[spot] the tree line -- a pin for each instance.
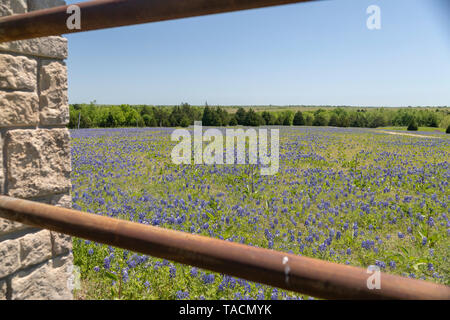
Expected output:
(94, 116)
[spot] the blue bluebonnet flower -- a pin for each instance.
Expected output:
(274, 295)
(106, 263)
(125, 276)
(208, 278)
(260, 295)
(172, 272)
(182, 295)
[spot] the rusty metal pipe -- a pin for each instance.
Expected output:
(101, 14)
(287, 271)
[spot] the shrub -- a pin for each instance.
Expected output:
(413, 126)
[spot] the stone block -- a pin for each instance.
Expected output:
(38, 162)
(2, 175)
(61, 243)
(18, 108)
(18, 73)
(53, 100)
(58, 200)
(49, 281)
(8, 226)
(9, 7)
(48, 47)
(43, 4)
(3, 289)
(35, 248)
(9, 257)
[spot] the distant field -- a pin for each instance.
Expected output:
(351, 196)
(233, 109)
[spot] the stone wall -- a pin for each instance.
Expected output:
(34, 159)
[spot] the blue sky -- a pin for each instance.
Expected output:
(318, 53)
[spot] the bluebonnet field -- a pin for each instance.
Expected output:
(352, 196)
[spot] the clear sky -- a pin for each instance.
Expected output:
(318, 53)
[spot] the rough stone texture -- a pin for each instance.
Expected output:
(42, 4)
(35, 248)
(8, 226)
(9, 257)
(58, 200)
(17, 73)
(2, 174)
(5, 11)
(9, 7)
(53, 98)
(49, 47)
(38, 162)
(18, 108)
(61, 243)
(62, 200)
(3, 289)
(49, 281)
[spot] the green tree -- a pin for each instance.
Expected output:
(149, 120)
(233, 121)
(185, 121)
(115, 117)
(207, 118)
(376, 119)
(309, 119)
(298, 119)
(216, 119)
(241, 115)
(224, 116)
(253, 119)
(319, 119)
(269, 118)
(334, 121)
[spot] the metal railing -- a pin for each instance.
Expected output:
(287, 271)
(101, 14)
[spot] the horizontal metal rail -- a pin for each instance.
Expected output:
(287, 271)
(101, 14)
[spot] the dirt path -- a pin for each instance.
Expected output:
(407, 134)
